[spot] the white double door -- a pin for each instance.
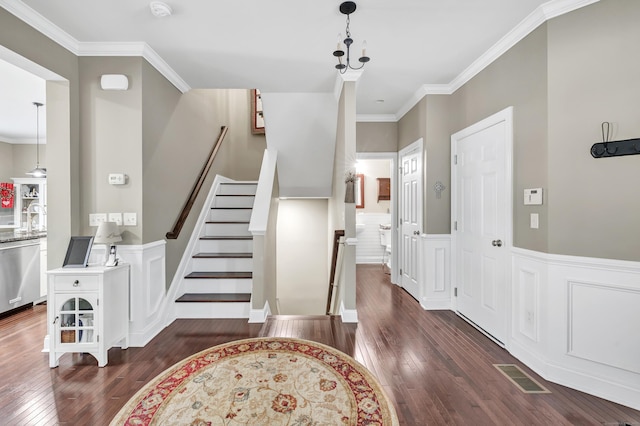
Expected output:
(482, 221)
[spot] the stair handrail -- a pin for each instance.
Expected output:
(186, 209)
(334, 262)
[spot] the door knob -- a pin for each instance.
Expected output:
(416, 232)
(496, 243)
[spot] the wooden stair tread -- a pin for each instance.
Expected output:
(228, 221)
(215, 297)
(223, 255)
(219, 275)
(222, 237)
(240, 183)
(235, 195)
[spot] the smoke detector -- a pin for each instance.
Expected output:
(160, 9)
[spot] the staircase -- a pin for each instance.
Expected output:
(219, 275)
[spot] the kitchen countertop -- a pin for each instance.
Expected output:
(11, 236)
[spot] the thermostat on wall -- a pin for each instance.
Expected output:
(533, 197)
(117, 178)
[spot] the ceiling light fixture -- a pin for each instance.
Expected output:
(160, 9)
(38, 172)
(347, 8)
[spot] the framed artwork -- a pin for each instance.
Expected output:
(257, 117)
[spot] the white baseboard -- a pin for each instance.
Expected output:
(436, 305)
(260, 315)
(348, 315)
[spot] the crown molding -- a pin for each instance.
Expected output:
(134, 49)
(41, 24)
(55, 33)
(543, 13)
(413, 100)
(560, 7)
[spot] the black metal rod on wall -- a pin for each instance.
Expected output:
(616, 148)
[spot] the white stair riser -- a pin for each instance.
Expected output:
(231, 214)
(209, 264)
(227, 229)
(225, 246)
(212, 310)
(225, 285)
(233, 202)
(237, 189)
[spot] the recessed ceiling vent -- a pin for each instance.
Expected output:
(160, 9)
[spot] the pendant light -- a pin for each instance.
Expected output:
(38, 172)
(347, 8)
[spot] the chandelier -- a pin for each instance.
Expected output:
(347, 8)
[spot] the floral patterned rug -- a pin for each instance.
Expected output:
(262, 381)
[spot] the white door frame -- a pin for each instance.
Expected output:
(415, 147)
(393, 156)
(506, 116)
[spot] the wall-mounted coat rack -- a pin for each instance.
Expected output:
(608, 148)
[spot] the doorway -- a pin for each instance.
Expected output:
(410, 210)
(481, 176)
(378, 213)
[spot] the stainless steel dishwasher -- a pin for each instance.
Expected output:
(19, 273)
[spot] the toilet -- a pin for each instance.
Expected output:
(385, 241)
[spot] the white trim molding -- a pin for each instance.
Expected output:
(536, 18)
(147, 288)
(435, 272)
(348, 315)
(575, 320)
(260, 315)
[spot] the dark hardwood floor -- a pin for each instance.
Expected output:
(434, 366)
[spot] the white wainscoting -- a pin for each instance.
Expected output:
(147, 288)
(435, 271)
(368, 249)
(575, 321)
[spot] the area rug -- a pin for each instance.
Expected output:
(262, 381)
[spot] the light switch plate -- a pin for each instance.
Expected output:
(535, 222)
(130, 219)
(116, 217)
(95, 219)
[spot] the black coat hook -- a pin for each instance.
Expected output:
(608, 148)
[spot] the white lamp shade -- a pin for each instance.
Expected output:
(107, 233)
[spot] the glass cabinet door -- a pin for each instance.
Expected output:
(76, 319)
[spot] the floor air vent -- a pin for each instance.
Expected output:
(521, 379)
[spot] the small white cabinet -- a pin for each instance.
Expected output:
(88, 311)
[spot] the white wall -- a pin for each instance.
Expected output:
(302, 246)
(368, 249)
(302, 128)
(373, 169)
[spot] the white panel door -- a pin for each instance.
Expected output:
(482, 206)
(410, 220)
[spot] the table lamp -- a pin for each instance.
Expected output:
(107, 234)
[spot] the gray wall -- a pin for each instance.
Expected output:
(62, 136)
(6, 162)
(18, 159)
(179, 131)
(377, 137)
(563, 80)
(111, 135)
(594, 76)
(519, 79)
